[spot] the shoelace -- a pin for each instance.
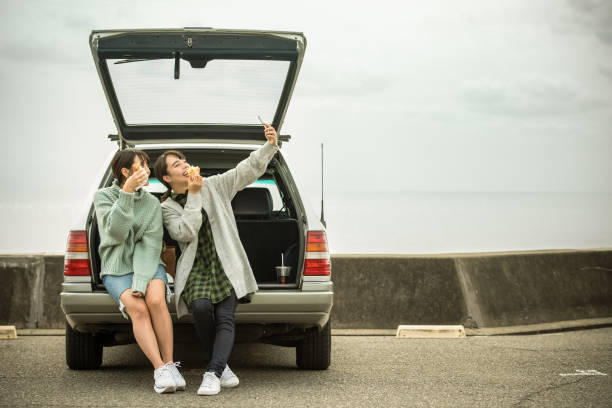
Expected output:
(172, 368)
(209, 379)
(161, 370)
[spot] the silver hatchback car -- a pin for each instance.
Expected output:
(201, 90)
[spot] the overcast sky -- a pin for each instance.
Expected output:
(407, 96)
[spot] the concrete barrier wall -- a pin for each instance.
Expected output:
(537, 288)
(29, 294)
(476, 290)
(381, 292)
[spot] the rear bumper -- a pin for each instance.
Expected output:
(92, 310)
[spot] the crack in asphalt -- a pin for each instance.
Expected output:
(532, 394)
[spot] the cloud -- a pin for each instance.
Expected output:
(54, 34)
(594, 16)
(606, 70)
(345, 82)
(529, 95)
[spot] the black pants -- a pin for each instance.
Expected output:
(215, 326)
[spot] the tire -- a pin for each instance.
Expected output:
(314, 352)
(83, 350)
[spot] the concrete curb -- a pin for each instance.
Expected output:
(363, 332)
(553, 327)
(542, 327)
(41, 332)
(583, 324)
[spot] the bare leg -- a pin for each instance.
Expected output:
(162, 323)
(143, 330)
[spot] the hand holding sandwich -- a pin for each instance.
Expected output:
(136, 179)
(194, 183)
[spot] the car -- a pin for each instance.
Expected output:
(202, 91)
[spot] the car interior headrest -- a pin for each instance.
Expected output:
(253, 202)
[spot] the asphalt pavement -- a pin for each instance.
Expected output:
(567, 369)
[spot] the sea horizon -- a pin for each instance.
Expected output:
(389, 222)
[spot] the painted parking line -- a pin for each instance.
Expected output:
(583, 372)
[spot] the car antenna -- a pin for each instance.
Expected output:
(322, 215)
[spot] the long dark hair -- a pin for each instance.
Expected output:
(123, 159)
(161, 170)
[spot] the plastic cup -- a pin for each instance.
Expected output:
(282, 273)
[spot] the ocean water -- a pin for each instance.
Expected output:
(384, 222)
(442, 222)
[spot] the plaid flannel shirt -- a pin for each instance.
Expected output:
(207, 280)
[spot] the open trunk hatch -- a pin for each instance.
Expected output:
(197, 84)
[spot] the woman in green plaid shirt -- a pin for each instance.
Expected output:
(210, 278)
(207, 279)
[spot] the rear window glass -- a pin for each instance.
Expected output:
(224, 92)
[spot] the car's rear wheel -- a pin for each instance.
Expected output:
(83, 350)
(314, 351)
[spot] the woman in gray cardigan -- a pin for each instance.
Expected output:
(213, 271)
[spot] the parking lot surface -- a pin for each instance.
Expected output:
(568, 369)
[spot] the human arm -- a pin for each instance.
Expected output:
(249, 169)
(115, 216)
(184, 227)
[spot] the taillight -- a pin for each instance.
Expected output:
(316, 241)
(76, 261)
(317, 262)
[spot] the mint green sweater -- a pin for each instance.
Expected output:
(131, 233)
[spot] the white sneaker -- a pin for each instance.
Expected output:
(164, 381)
(228, 378)
(178, 378)
(210, 384)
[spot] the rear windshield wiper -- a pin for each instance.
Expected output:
(125, 61)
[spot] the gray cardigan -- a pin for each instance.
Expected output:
(183, 224)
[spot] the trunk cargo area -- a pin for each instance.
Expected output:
(264, 236)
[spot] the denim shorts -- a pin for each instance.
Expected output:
(116, 285)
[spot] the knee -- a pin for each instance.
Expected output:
(138, 310)
(224, 319)
(156, 303)
(224, 313)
